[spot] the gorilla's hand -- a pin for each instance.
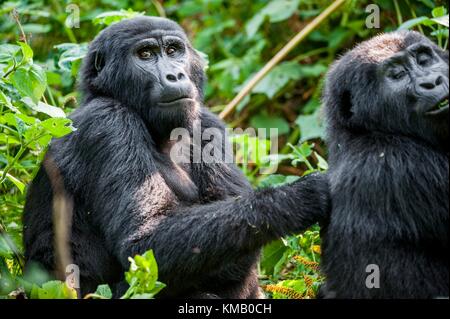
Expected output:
(292, 208)
(314, 190)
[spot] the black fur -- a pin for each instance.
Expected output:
(203, 221)
(389, 173)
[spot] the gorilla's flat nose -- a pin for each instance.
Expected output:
(430, 82)
(172, 78)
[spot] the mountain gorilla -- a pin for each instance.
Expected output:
(386, 106)
(141, 78)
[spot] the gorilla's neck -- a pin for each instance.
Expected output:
(162, 122)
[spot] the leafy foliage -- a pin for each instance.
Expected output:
(40, 56)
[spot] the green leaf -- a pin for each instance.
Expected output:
(5, 100)
(277, 180)
(36, 28)
(110, 17)
(262, 120)
(444, 20)
(275, 11)
(30, 81)
(53, 290)
(27, 52)
(321, 162)
(142, 277)
(7, 52)
(310, 126)
(412, 23)
(71, 52)
(272, 253)
(438, 12)
(58, 127)
(15, 181)
(285, 72)
(42, 107)
(104, 291)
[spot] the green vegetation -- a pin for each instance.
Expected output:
(41, 49)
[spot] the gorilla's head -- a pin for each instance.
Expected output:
(146, 63)
(394, 83)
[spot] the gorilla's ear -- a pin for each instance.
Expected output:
(99, 61)
(92, 65)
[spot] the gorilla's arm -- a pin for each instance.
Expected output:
(197, 239)
(188, 240)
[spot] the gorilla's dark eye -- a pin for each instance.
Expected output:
(171, 50)
(145, 53)
(423, 59)
(397, 74)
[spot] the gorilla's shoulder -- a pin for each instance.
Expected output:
(104, 113)
(99, 120)
(209, 119)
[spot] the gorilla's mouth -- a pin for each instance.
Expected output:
(439, 108)
(177, 101)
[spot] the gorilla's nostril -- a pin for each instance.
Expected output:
(427, 85)
(439, 80)
(180, 76)
(171, 77)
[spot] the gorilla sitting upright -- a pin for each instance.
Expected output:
(387, 111)
(141, 79)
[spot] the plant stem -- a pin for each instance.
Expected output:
(413, 13)
(18, 155)
(399, 13)
(280, 56)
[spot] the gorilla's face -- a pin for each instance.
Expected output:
(415, 80)
(394, 83)
(164, 60)
(148, 64)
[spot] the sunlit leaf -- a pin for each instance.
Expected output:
(30, 81)
(310, 126)
(110, 17)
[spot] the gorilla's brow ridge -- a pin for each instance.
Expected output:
(163, 33)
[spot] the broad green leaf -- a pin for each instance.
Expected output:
(276, 180)
(71, 52)
(142, 277)
(30, 81)
(42, 107)
(53, 290)
(27, 52)
(110, 17)
(272, 254)
(5, 100)
(15, 181)
(262, 120)
(438, 12)
(7, 52)
(275, 11)
(285, 72)
(321, 162)
(36, 28)
(104, 291)
(58, 127)
(412, 23)
(442, 20)
(310, 126)
(15, 120)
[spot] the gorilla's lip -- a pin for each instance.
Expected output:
(439, 108)
(179, 100)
